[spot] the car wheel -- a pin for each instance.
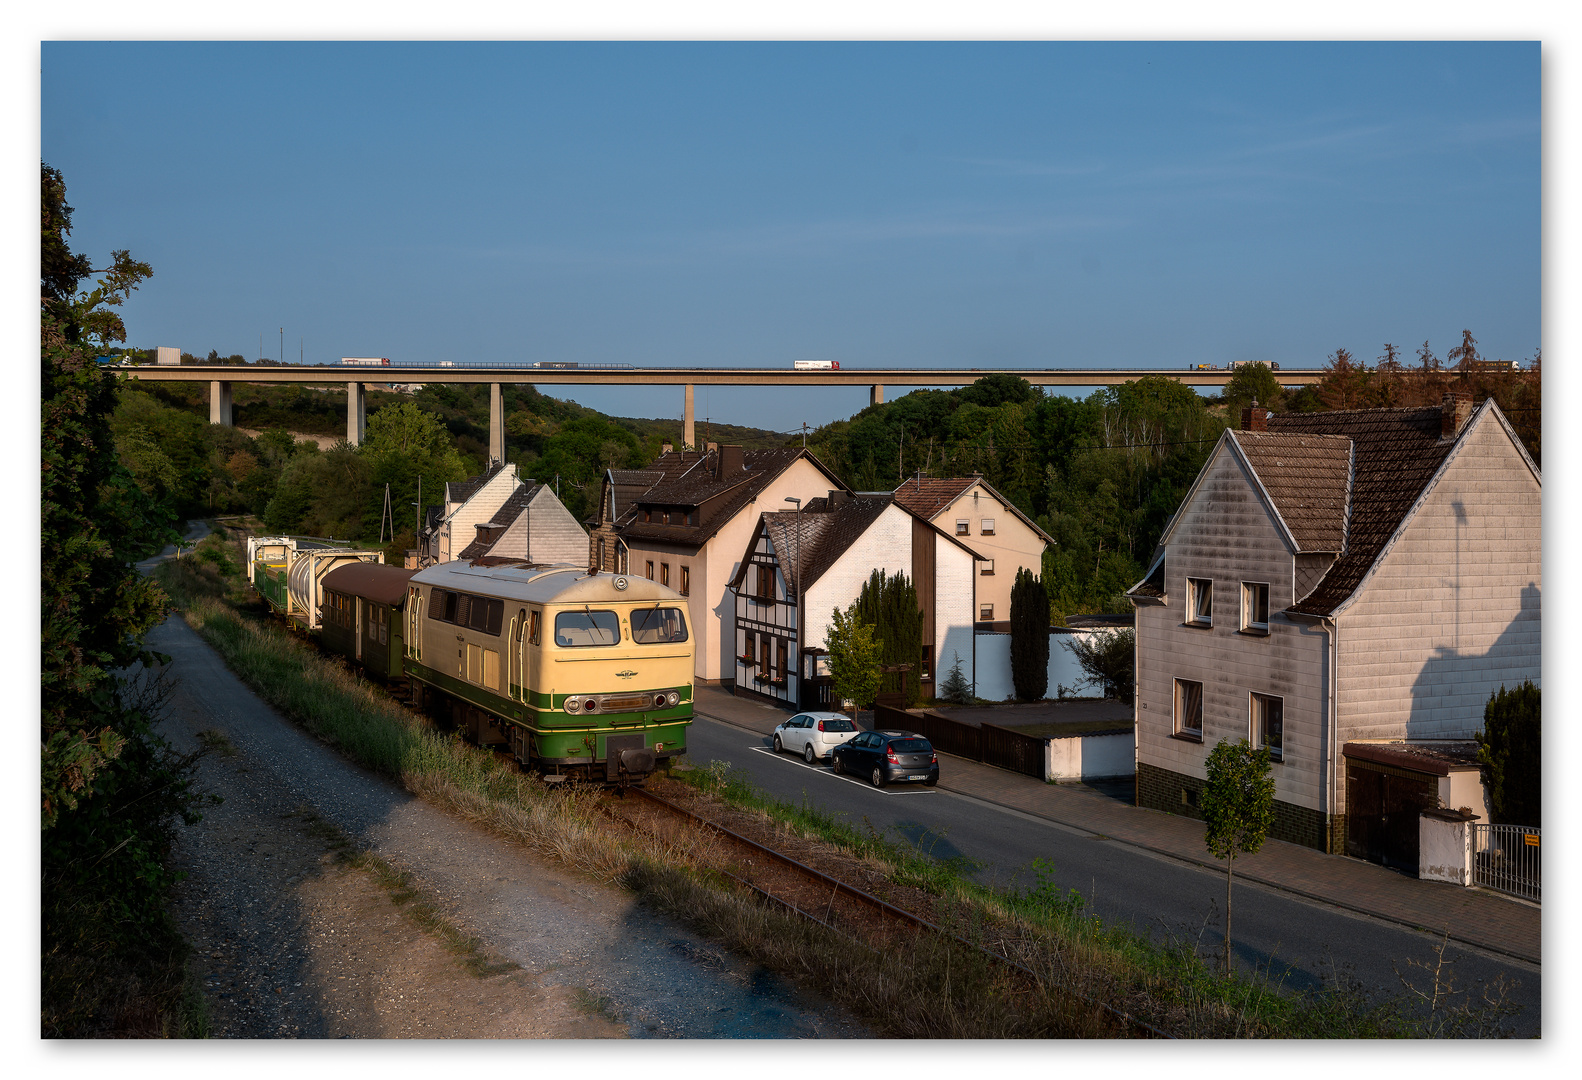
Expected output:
(877, 778)
(840, 768)
(931, 781)
(778, 747)
(807, 753)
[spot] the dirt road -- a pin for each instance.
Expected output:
(293, 942)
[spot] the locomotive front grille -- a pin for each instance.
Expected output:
(625, 702)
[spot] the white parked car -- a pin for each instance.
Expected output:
(814, 735)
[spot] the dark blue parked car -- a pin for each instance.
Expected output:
(887, 757)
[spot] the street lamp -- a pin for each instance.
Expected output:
(797, 563)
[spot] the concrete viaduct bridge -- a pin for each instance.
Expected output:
(356, 378)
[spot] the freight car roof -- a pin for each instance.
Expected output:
(372, 581)
(560, 584)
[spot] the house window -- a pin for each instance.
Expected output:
(650, 569)
(1200, 601)
(925, 665)
(664, 573)
(963, 527)
(692, 517)
(1268, 724)
(782, 652)
(648, 516)
(985, 612)
(766, 582)
(686, 581)
(763, 658)
(986, 568)
(1189, 709)
(749, 657)
(1255, 607)
(988, 527)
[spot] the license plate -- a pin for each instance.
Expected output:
(918, 776)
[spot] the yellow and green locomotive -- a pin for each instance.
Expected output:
(580, 674)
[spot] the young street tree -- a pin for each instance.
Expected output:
(1029, 637)
(1238, 806)
(853, 656)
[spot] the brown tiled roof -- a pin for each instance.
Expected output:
(927, 496)
(509, 511)
(1396, 453)
(696, 485)
(834, 530)
(1306, 477)
(1434, 758)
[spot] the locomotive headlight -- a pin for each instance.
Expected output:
(672, 697)
(572, 704)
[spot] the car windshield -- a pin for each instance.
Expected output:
(837, 725)
(579, 629)
(910, 746)
(656, 626)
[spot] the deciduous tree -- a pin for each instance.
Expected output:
(1238, 807)
(853, 656)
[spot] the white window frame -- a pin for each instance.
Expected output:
(1249, 607)
(1199, 588)
(1176, 707)
(986, 527)
(986, 567)
(1258, 716)
(963, 526)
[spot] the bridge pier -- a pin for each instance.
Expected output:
(876, 394)
(688, 439)
(356, 412)
(220, 402)
(496, 424)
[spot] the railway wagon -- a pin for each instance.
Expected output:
(288, 572)
(580, 674)
(362, 617)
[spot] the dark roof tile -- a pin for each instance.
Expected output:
(1306, 477)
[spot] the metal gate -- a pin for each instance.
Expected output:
(1382, 807)
(1506, 857)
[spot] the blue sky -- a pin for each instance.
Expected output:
(913, 204)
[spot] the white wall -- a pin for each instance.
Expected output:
(462, 526)
(994, 666)
(886, 545)
(1091, 757)
(954, 609)
(1012, 546)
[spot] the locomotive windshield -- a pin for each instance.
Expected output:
(580, 629)
(658, 626)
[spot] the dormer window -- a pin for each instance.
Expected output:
(1200, 602)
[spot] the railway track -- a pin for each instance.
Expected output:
(808, 893)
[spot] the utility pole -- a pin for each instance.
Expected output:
(282, 346)
(387, 514)
(796, 598)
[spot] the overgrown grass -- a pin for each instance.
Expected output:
(930, 989)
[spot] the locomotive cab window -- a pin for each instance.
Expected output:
(656, 626)
(584, 629)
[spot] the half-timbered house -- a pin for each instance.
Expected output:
(800, 566)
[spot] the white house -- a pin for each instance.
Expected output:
(1346, 588)
(817, 560)
(453, 524)
(533, 525)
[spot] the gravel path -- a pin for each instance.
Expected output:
(294, 943)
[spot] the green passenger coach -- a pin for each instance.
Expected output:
(580, 674)
(361, 616)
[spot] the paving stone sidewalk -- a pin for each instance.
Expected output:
(1475, 917)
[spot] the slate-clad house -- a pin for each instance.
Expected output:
(819, 560)
(532, 525)
(970, 509)
(689, 525)
(452, 525)
(1346, 588)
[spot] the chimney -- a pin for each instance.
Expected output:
(730, 461)
(838, 498)
(1254, 417)
(1453, 412)
(666, 447)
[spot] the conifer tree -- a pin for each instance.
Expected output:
(889, 604)
(1029, 637)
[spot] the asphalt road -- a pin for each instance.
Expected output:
(1302, 942)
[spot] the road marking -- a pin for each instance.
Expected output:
(833, 775)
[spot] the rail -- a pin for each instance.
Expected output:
(883, 906)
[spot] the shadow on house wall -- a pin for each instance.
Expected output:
(1453, 686)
